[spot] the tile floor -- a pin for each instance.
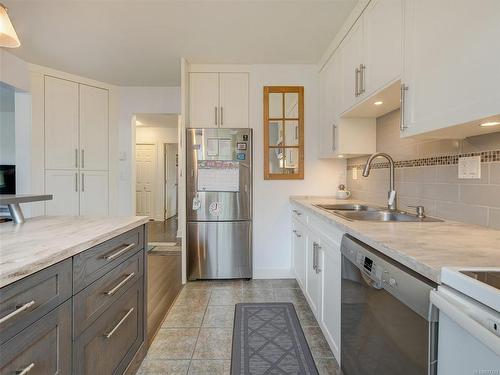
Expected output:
(196, 336)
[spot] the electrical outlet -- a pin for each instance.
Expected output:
(469, 167)
(355, 173)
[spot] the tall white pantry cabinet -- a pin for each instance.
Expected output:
(76, 128)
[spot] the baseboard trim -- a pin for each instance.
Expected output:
(272, 273)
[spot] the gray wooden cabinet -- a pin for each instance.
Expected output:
(84, 315)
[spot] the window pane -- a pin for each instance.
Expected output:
(276, 160)
(275, 133)
(291, 133)
(291, 105)
(291, 164)
(283, 160)
(275, 105)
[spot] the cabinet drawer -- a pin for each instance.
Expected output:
(44, 348)
(108, 345)
(89, 265)
(27, 300)
(93, 300)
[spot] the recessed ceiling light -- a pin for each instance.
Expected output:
(490, 123)
(139, 123)
(378, 103)
(341, 156)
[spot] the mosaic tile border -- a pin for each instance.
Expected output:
(486, 157)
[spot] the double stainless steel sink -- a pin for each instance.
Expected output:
(371, 213)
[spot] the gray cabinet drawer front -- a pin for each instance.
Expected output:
(91, 264)
(122, 322)
(45, 346)
(95, 299)
(27, 300)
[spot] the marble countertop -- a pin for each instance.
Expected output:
(425, 247)
(43, 241)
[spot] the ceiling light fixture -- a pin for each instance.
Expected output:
(138, 123)
(378, 103)
(8, 36)
(490, 123)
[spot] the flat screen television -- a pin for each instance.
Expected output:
(7, 179)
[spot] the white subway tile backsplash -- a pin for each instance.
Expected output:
(462, 212)
(481, 195)
(494, 221)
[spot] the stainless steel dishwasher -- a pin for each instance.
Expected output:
(387, 324)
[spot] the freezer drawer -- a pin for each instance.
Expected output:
(219, 250)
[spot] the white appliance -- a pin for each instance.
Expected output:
(469, 321)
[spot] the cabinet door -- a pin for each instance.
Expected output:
(93, 128)
(299, 242)
(64, 186)
(94, 193)
(204, 100)
(331, 278)
(382, 43)
(451, 62)
(352, 57)
(61, 124)
(313, 282)
(233, 100)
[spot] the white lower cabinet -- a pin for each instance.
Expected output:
(94, 193)
(317, 267)
(64, 186)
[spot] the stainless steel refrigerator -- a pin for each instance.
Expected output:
(219, 203)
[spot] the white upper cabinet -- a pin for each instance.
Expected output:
(218, 100)
(93, 128)
(382, 27)
(328, 82)
(94, 193)
(233, 100)
(451, 65)
(352, 65)
(61, 124)
(203, 100)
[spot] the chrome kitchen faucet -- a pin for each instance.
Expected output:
(392, 195)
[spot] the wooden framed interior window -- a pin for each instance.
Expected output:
(283, 132)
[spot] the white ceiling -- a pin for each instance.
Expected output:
(140, 42)
(164, 120)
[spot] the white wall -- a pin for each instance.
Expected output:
(157, 136)
(134, 100)
(14, 71)
(272, 219)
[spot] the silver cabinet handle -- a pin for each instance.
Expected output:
(298, 213)
(25, 370)
(315, 248)
(122, 249)
(76, 182)
(297, 233)
(362, 68)
(334, 137)
(215, 115)
(112, 332)
(76, 158)
(356, 82)
(17, 311)
(221, 116)
(83, 181)
(83, 158)
(119, 285)
(402, 124)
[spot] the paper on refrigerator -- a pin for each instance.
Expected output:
(218, 175)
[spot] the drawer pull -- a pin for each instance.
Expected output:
(25, 370)
(18, 310)
(124, 249)
(119, 285)
(112, 332)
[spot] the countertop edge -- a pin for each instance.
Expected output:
(72, 250)
(399, 256)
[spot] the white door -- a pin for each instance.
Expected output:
(299, 241)
(352, 57)
(94, 193)
(64, 185)
(204, 100)
(93, 128)
(145, 161)
(451, 62)
(61, 124)
(233, 100)
(170, 180)
(382, 43)
(313, 275)
(331, 278)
